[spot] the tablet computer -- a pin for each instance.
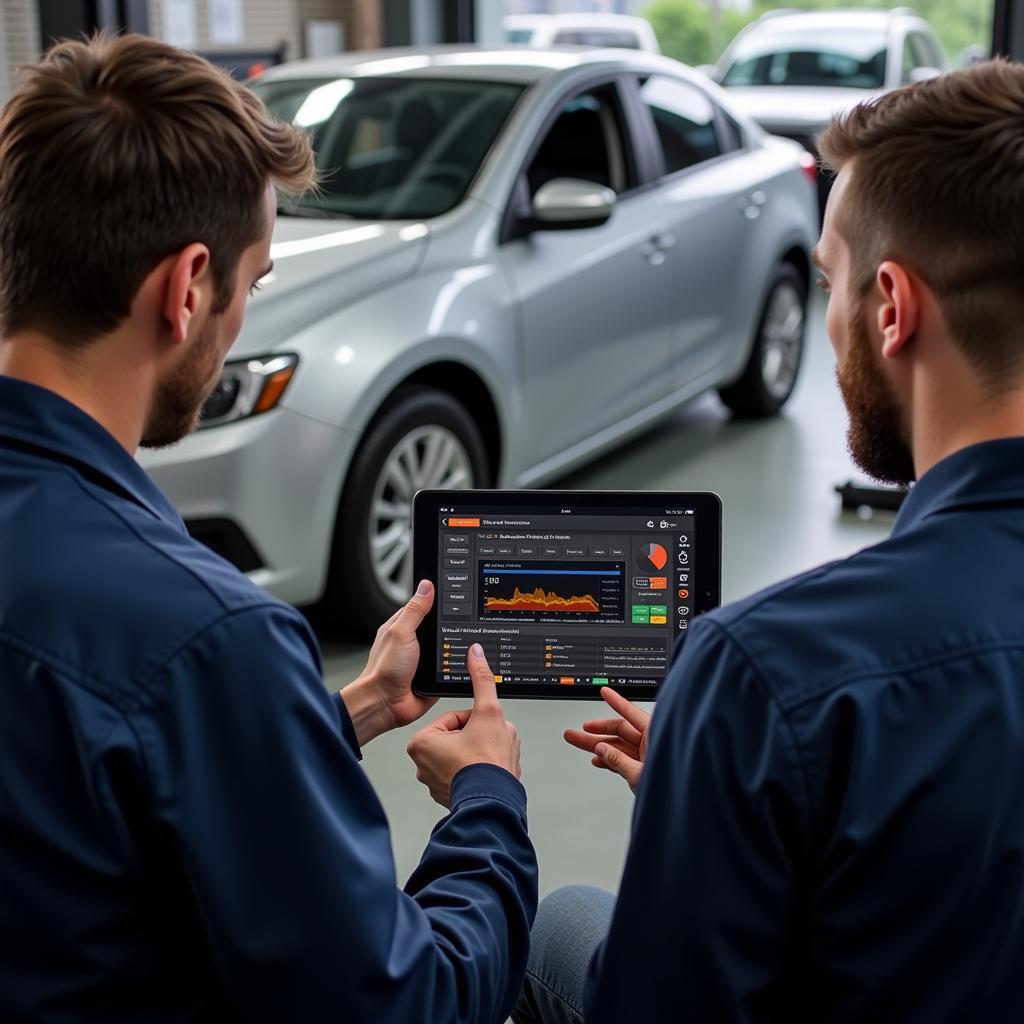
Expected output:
(567, 591)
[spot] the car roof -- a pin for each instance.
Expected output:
(521, 64)
(840, 18)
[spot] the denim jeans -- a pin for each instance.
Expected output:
(571, 923)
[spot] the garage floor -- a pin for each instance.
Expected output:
(781, 516)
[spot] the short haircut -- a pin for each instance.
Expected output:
(115, 153)
(937, 183)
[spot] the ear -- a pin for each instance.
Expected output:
(899, 310)
(188, 273)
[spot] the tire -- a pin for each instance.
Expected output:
(361, 592)
(773, 368)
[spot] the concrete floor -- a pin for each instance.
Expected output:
(781, 516)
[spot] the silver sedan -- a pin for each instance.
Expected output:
(517, 260)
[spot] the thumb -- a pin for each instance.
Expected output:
(417, 606)
(485, 692)
(620, 763)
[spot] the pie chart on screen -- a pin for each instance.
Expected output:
(652, 558)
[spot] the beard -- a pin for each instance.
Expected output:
(877, 437)
(181, 395)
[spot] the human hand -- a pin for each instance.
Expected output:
(382, 697)
(618, 744)
(461, 738)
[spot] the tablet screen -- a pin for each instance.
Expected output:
(568, 595)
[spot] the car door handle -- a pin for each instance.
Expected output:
(750, 206)
(654, 249)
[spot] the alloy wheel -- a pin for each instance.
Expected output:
(428, 457)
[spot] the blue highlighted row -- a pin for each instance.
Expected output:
(549, 572)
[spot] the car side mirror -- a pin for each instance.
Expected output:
(567, 204)
(923, 74)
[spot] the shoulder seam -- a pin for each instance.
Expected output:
(100, 688)
(906, 666)
(777, 590)
(784, 713)
(145, 541)
(206, 627)
(93, 685)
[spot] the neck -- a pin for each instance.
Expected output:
(946, 418)
(94, 378)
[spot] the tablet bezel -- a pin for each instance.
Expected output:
(427, 505)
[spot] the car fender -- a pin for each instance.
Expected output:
(352, 361)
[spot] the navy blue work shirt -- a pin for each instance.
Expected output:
(830, 822)
(185, 831)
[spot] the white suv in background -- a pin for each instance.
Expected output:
(793, 71)
(614, 30)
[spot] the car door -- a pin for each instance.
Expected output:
(711, 195)
(595, 304)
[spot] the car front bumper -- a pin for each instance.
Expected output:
(264, 493)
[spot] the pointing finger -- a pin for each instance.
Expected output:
(629, 711)
(485, 692)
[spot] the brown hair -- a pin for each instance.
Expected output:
(937, 183)
(116, 152)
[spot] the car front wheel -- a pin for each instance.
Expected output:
(424, 439)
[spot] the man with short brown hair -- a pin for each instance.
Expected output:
(830, 814)
(185, 831)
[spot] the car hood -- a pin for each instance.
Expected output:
(320, 265)
(796, 107)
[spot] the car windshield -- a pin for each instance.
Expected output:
(845, 59)
(391, 148)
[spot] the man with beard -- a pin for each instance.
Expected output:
(830, 797)
(185, 831)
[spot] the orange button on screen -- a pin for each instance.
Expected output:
(463, 522)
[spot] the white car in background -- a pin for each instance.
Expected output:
(517, 259)
(793, 71)
(616, 30)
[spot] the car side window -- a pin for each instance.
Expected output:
(586, 141)
(684, 119)
(909, 61)
(924, 54)
(917, 53)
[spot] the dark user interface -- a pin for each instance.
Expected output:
(565, 597)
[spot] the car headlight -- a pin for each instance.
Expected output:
(247, 388)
